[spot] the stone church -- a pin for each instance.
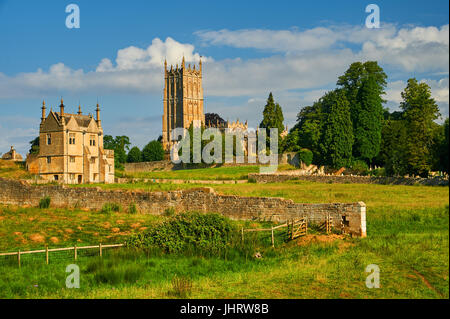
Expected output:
(183, 99)
(71, 148)
(183, 102)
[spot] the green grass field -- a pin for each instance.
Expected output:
(374, 195)
(213, 173)
(14, 170)
(408, 238)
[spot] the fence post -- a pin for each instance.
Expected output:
(46, 254)
(100, 248)
(328, 224)
(75, 251)
(242, 233)
(273, 240)
(292, 233)
(18, 257)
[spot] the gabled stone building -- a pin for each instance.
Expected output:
(71, 148)
(12, 155)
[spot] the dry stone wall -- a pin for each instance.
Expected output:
(347, 179)
(350, 217)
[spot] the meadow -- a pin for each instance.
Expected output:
(408, 238)
(210, 173)
(13, 170)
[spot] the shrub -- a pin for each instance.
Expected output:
(153, 151)
(169, 212)
(201, 232)
(111, 207)
(378, 172)
(181, 287)
(117, 275)
(305, 156)
(132, 208)
(360, 167)
(45, 202)
(134, 155)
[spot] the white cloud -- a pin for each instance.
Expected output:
(414, 48)
(439, 90)
(135, 70)
(133, 58)
(310, 60)
(275, 40)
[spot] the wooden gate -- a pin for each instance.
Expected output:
(327, 224)
(297, 228)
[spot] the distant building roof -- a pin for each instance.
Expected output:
(12, 155)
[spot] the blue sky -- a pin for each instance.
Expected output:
(294, 48)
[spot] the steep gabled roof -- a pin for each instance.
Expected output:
(83, 121)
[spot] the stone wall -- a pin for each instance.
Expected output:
(121, 180)
(350, 217)
(165, 165)
(347, 179)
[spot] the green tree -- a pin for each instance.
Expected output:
(440, 147)
(392, 153)
(120, 145)
(273, 118)
(279, 124)
(338, 135)
(34, 146)
(363, 84)
(153, 151)
(306, 156)
(419, 112)
(108, 142)
(292, 141)
(134, 155)
(268, 113)
(310, 124)
(369, 121)
(444, 150)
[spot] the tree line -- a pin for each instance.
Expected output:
(349, 127)
(153, 151)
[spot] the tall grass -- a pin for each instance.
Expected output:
(44, 202)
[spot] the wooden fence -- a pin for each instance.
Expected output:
(327, 224)
(47, 251)
(295, 228)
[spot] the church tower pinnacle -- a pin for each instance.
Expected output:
(43, 111)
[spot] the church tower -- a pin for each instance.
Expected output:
(183, 99)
